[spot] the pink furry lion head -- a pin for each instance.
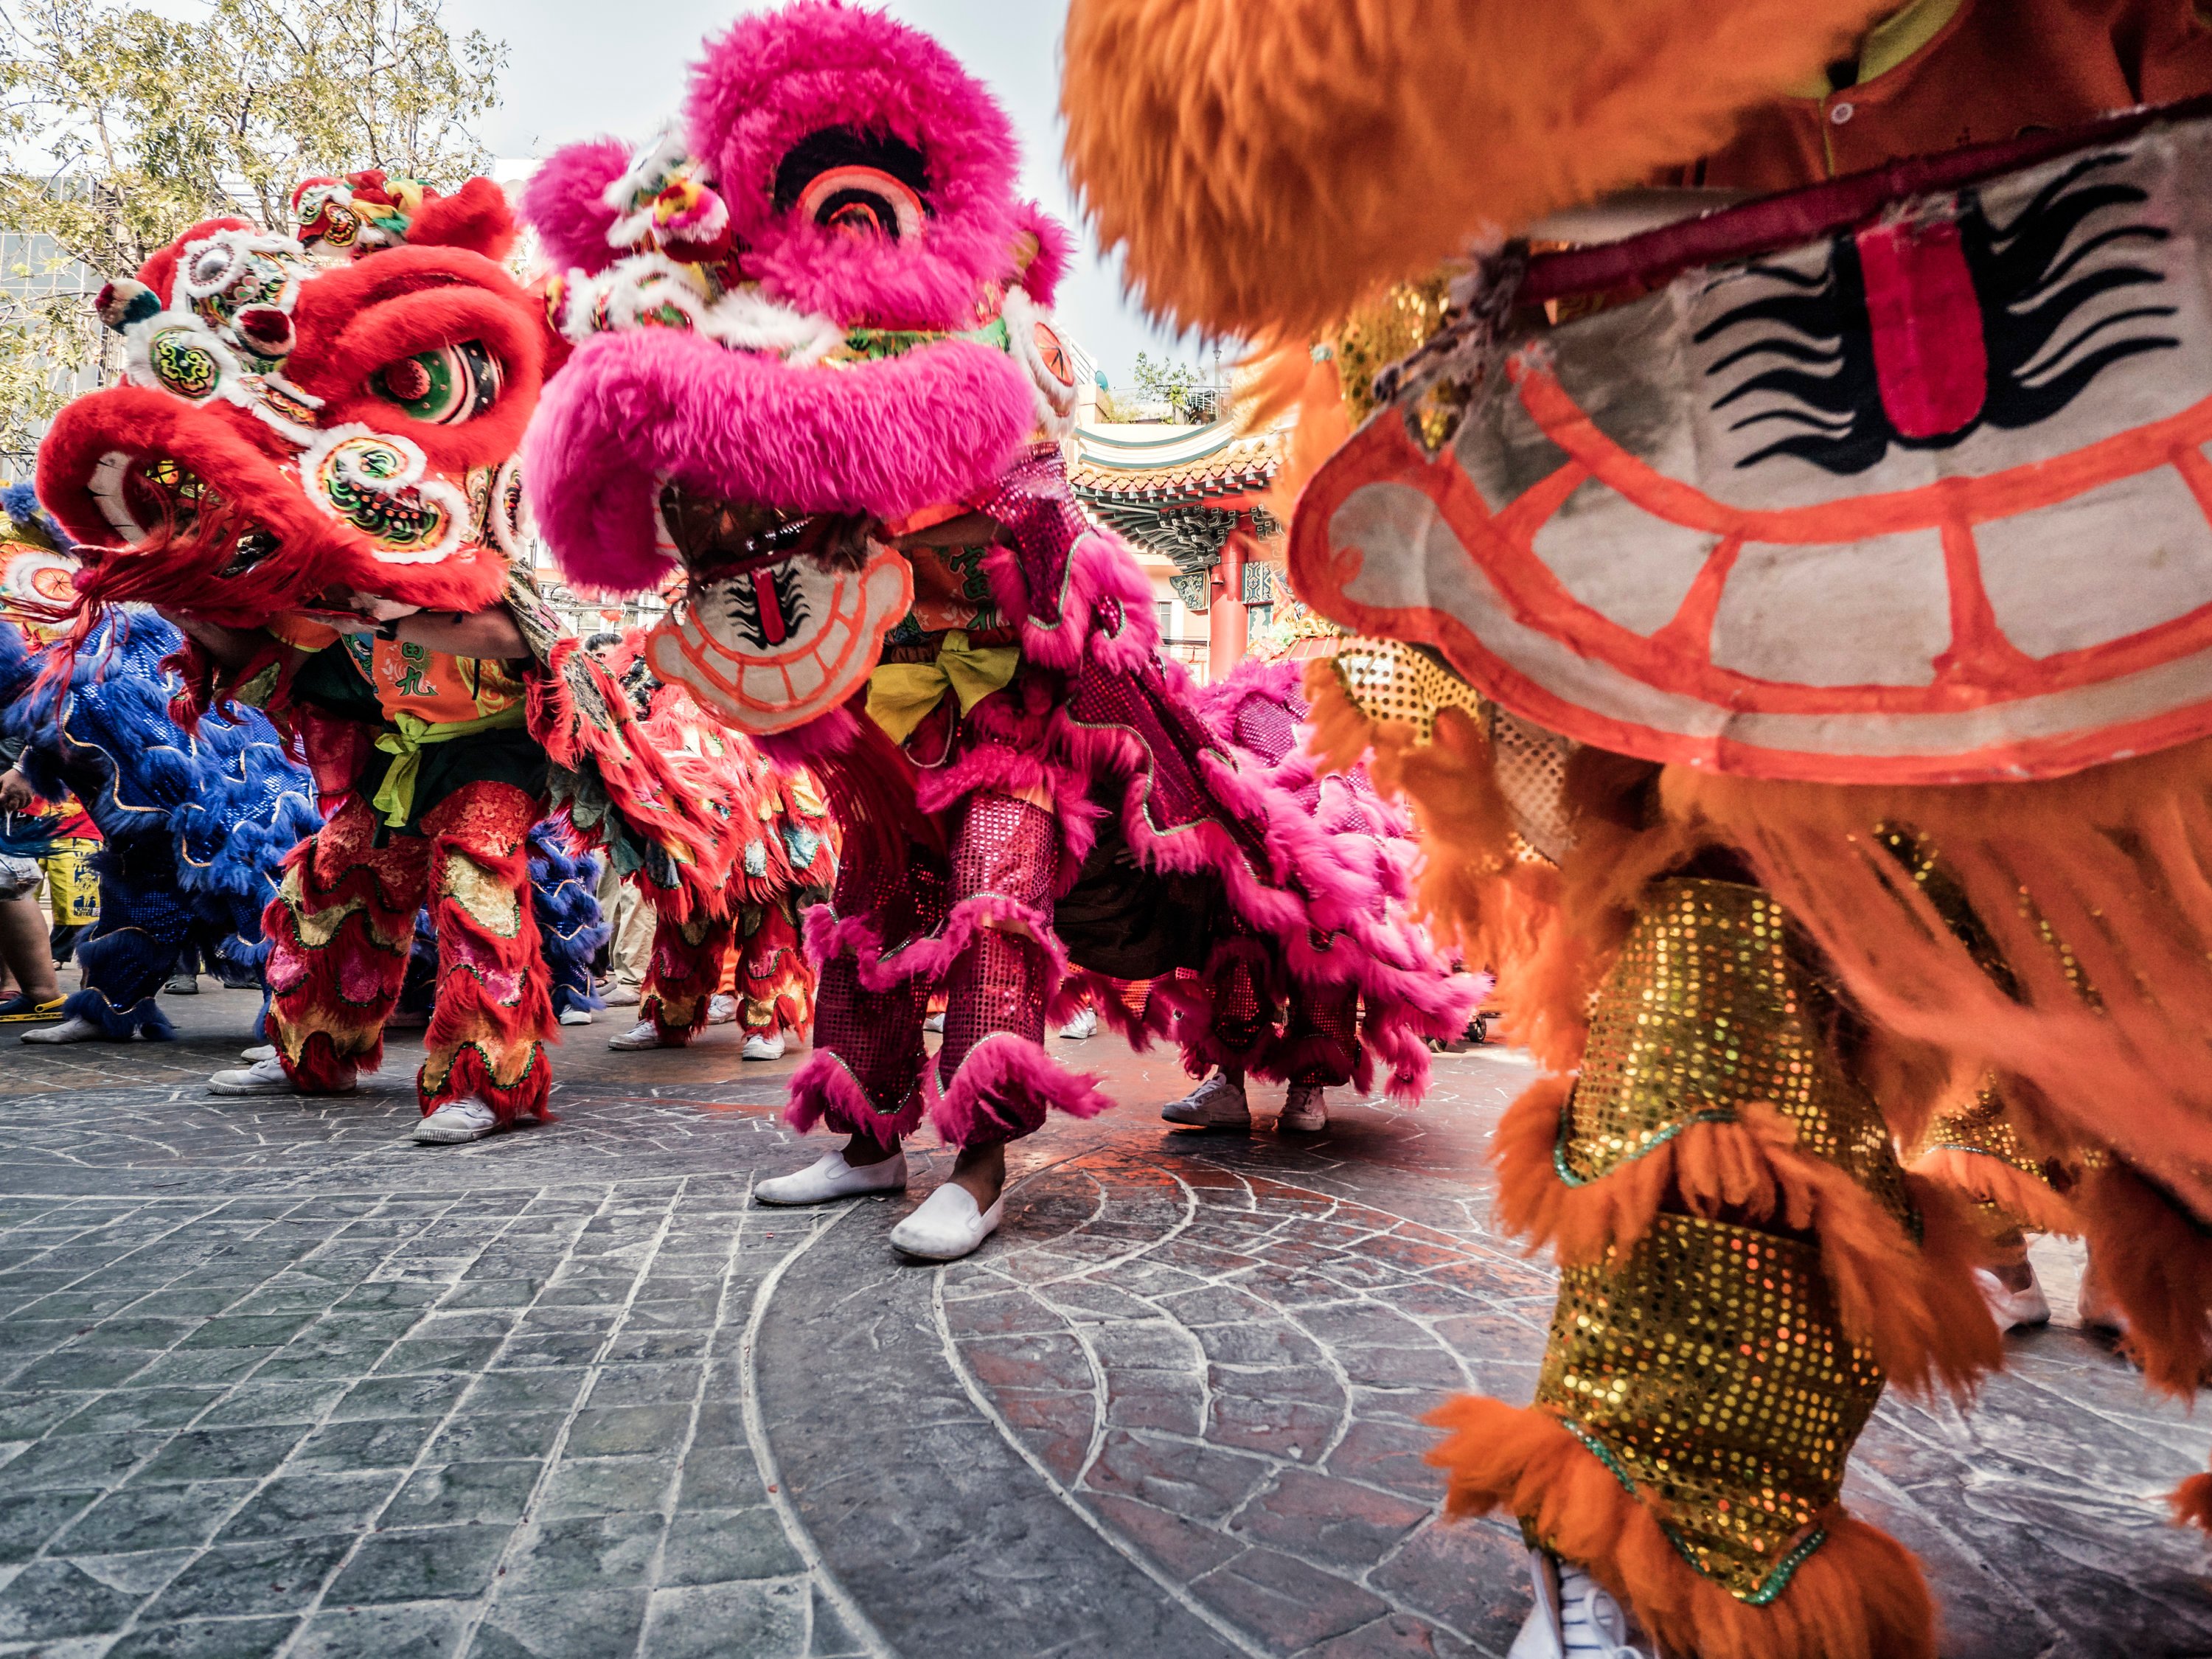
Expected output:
(816, 310)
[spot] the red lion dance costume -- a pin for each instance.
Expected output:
(1826, 588)
(320, 430)
(811, 363)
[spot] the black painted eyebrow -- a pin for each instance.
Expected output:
(845, 147)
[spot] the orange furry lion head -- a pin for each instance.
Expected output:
(1266, 165)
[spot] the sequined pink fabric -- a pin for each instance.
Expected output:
(1005, 848)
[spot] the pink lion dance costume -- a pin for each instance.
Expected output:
(812, 362)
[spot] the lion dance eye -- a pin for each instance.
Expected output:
(444, 386)
(862, 201)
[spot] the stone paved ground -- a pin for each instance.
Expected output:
(275, 1381)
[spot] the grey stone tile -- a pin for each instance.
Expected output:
(763, 1621)
(422, 1629)
(715, 1546)
(29, 1519)
(270, 1576)
(125, 1409)
(590, 1552)
(136, 1517)
(222, 1454)
(378, 1443)
(79, 1459)
(249, 1331)
(418, 1397)
(275, 1401)
(307, 1505)
(456, 1492)
(53, 1599)
(571, 1624)
(624, 1430)
(606, 1486)
(430, 1564)
(28, 1416)
(476, 1435)
(206, 1638)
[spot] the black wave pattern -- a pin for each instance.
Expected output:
(742, 606)
(1818, 350)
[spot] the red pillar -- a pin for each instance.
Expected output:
(1225, 613)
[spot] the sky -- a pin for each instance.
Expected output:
(579, 69)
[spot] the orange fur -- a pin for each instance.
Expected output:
(2156, 1264)
(1860, 1596)
(2192, 1502)
(2026, 1202)
(1913, 1307)
(2116, 861)
(1266, 167)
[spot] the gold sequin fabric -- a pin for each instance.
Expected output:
(1983, 1128)
(1391, 680)
(1705, 1368)
(1714, 1004)
(1378, 335)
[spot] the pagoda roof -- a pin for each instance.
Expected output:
(1164, 464)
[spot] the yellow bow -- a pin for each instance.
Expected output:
(395, 796)
(901, 694)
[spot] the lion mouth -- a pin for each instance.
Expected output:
(720, 540)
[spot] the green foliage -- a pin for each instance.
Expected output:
(1177, 385)
(123, 127)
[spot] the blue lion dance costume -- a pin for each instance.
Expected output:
(195, 825)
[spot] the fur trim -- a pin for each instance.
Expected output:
(823, 1089)
(564, 204)
(476, 217)
(1003, 1089)
(2025, 1199)
(1041, 273)
(2156, 1262)
(1265, 169)
(774, 79)
(2192, 1502)
(1914, 1306)
(1859, 1595)
(884, 438)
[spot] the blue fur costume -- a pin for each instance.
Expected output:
(195, 828)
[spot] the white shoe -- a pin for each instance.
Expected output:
(1217, 1103)
(1306, 1110)
(767, 1046)
(621, 996)
(265, 1077)
(643, 1035)
(74, 1028)
(721, 1010)
(457, 1121)
(1085, 1025)
(830, 1176)
(1573, 1617)
(259, 1051)
(576, 1017)
(935, 1024)
(2012, 1308)
(181, 985)
(947, 1225)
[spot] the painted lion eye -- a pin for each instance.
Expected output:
(444, 386)
(862, 201)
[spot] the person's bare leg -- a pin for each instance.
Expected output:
(25, 946)
(982, 1171)
(861, 1151)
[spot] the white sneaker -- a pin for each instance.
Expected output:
(457, 1121)
(1085, 1025)
(576, 1016)
(2012, 1308)
(1306, 1110)
(621, 996)
(1217, 1103)
(643, 1035)
(764, 1045)
(259, 1051)
(935, 1024)
(721, 1010)
(830, 1176)
(265, 1077)
(74, 1028)
(1573, 1617)
(181, 985)
(947, 1225)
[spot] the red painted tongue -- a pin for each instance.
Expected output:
(771, 609)
(1929, 357)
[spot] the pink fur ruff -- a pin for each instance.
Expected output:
(564, 204)
(823, 1091)
(884, 438)
(1048, 267)
(1004, 1089)
(777, 78)
(931, 956)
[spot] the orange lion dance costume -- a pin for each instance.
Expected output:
(1811, 709)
